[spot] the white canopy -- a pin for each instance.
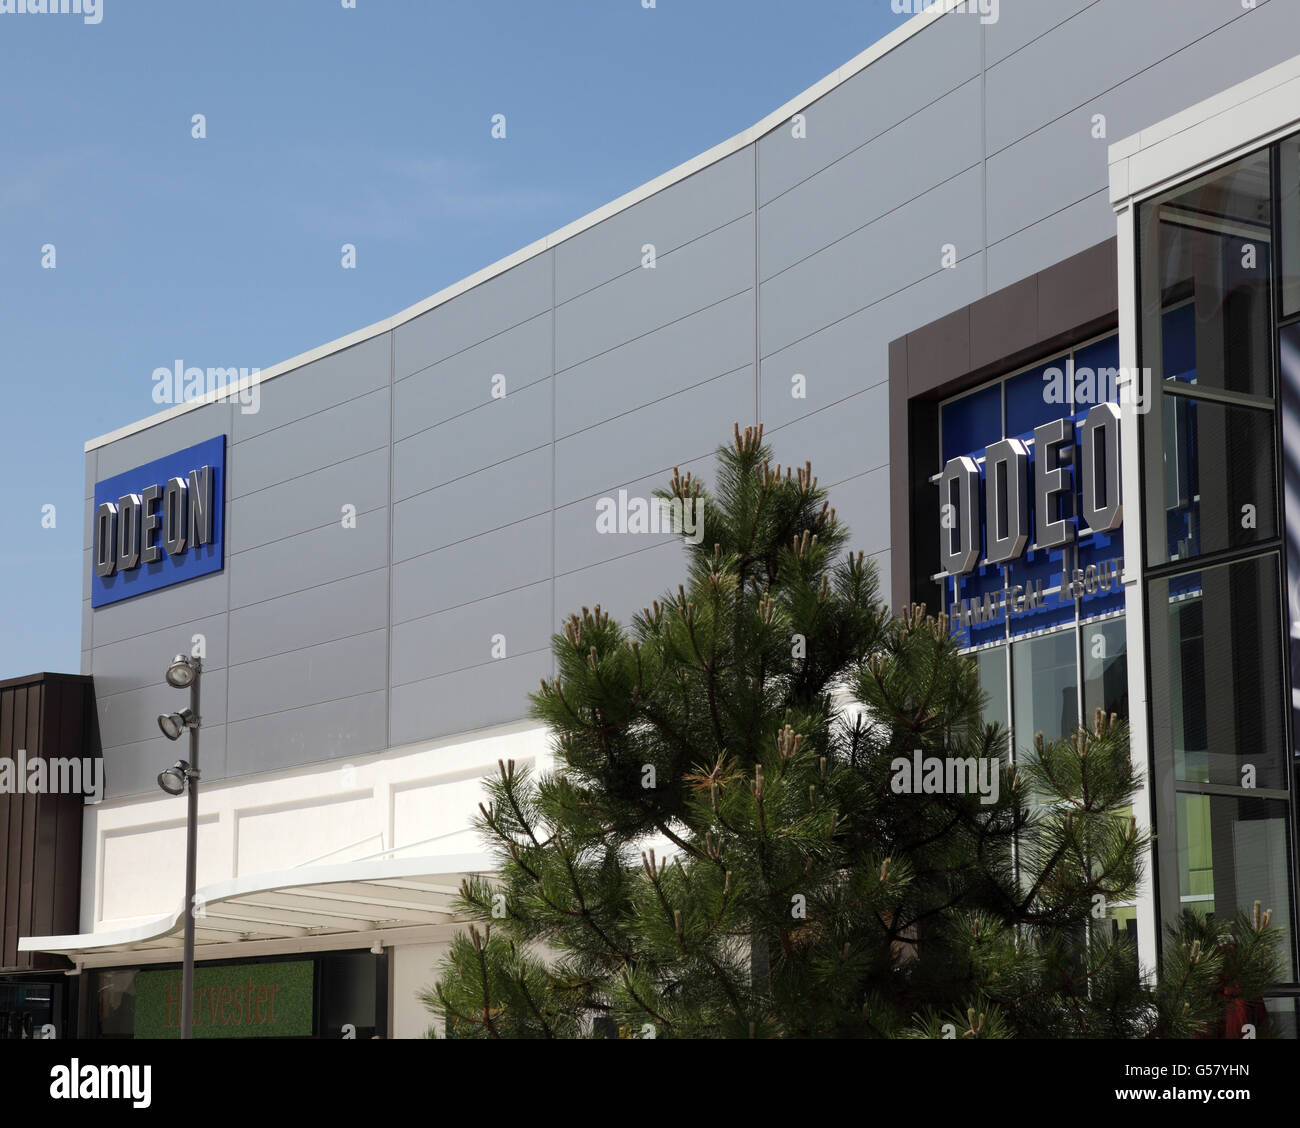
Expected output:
(366, 897)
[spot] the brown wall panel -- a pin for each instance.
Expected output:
(15, 729)
(7, 803)
(77, 729)
(32, 745)
(47, 716)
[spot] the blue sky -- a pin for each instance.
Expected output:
(325, 126)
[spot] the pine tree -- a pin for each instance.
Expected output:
(762, 726)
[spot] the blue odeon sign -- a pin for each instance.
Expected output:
(986, 520)
(159, 524)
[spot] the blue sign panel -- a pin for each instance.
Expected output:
(159, 524)
(1029, 507)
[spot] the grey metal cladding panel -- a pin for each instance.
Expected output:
(1020, 22)
(497, 562)
(332, 730)
(914, 74)
(166, 607)
(884, 576)
(132, 716)
(579, 544)
(92, 476)
(465, 381)
(141, 661)
(654, 438)
(315, 441)
(623, 586)
(511, 491)
(699, 347)
(463, 637)
(1058, 166)
(326, 672)
(883, 258)
(323, 383)
(513, 425)
(85, 662)
(850, 355)
(132, 769)
(346, 607)
(684, 211)
(862, 503)
(713, 267)
(309, 559)
(1271, 32)
(466, 700)
(87, 633)
(522, 292)
(932, 146)
(309, 502)
(1051, 240)
(1098, 49)
(87, 570)
(841, 442)
(1260, 39)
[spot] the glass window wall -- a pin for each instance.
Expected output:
(1216, 663)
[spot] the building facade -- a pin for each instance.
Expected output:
(940, 274)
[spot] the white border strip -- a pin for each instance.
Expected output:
(777, 118)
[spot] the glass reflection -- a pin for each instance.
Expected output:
(1206, 251)
(1044, 672)
(1219, 483)
(1216, 674)
(1105, 669)
(1232, 852)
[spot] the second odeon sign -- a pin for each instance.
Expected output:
(1007, 491)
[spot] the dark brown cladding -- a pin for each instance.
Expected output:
(1017, 326)
(46, 716)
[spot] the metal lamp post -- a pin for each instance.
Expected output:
(184, 672)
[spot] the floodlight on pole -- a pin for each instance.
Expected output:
(183, 673)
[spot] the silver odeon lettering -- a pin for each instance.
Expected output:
(126, 530)
(1007, 492)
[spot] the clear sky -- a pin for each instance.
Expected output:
(325, 125)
